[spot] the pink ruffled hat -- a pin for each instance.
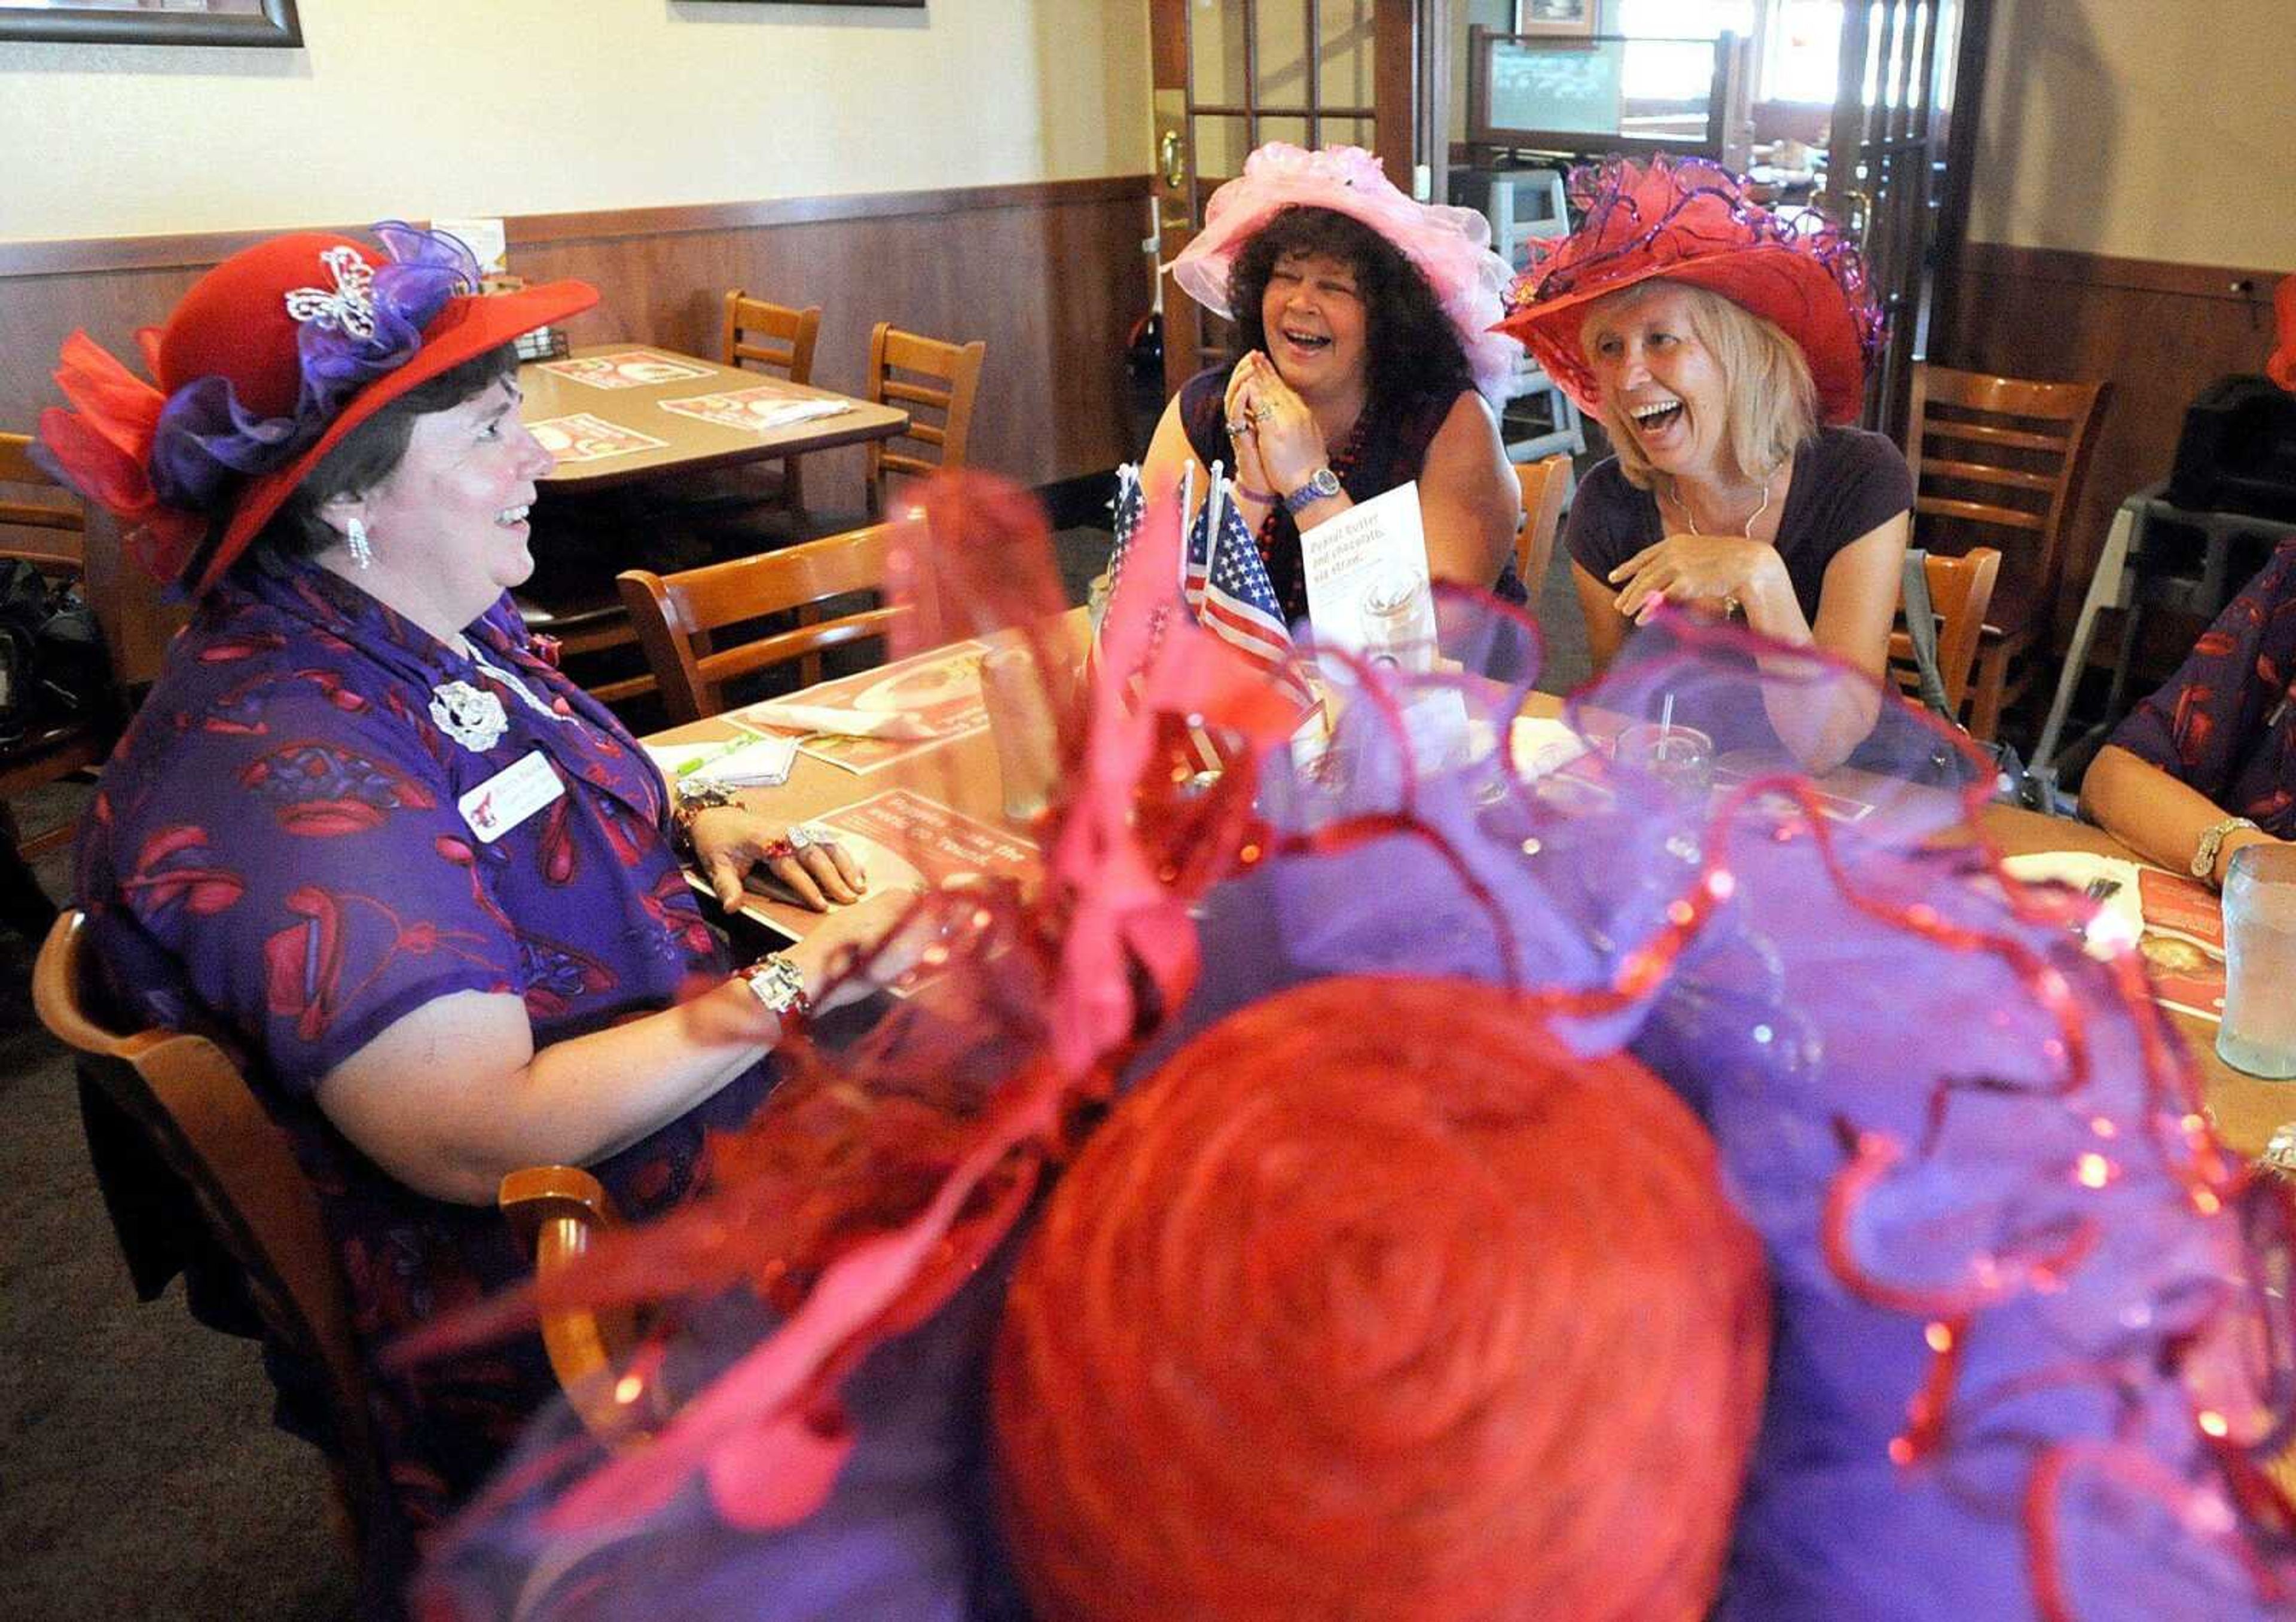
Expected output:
(1452, 247)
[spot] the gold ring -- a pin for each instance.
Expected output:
(1260, 413)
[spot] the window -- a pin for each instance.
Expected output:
(1797, 44)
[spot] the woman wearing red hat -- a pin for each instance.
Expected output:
(1723, 349)
(365, 832)
(1362, 324)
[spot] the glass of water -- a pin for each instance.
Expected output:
(2258, 1033)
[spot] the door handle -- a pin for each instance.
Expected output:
(1174, 162)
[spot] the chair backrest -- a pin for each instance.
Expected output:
(46, 529)
(678, 615)
(936, 382)
(1961, 593)
(771, 337)
(188, 1099)
(1998, 462)
(1545, 484)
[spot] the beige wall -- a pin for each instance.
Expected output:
(2157, 130)
(460, 107)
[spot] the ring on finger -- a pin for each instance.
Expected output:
(1260, 413)
(777, 849)
(1236, 431)
(806, 836)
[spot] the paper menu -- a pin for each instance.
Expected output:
(484, 237)
(1368, 590)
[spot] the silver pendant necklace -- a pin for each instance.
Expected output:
(1682, 499)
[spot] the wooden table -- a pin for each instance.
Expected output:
(689, 444)
(963, 774)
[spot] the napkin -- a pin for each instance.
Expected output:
(747, 762)
(781, 414)
(837, 721)
(2120, 919)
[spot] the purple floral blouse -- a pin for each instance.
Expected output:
(282, 853)
(2225, 724)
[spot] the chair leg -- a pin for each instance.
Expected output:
(1985, 688)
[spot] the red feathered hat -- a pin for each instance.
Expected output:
(264, 365)
(1689, 220)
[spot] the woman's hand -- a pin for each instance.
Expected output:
(729, 841)
(863, 927)
(1285, 443)
(1700, 571)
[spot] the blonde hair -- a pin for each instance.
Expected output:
(1769, 400)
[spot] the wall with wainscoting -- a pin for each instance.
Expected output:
(2130, 218)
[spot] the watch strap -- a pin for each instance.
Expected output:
(2204, 855)
(1318, 485)
(776, 983)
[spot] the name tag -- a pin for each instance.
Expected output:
(510, 796)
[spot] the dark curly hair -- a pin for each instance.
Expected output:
(1411, 345)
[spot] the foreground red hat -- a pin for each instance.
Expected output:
(1689, 220)
(262, 368)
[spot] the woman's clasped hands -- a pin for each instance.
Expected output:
(1276, 441)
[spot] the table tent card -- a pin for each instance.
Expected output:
(1368, 590)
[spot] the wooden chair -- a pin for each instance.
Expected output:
(921, 375)
(1961, 591)
(1998, 461)
(678, 615)
(773, 338)
(1546, 483)
(557, 1212)
(47, 530)
(184, 1099)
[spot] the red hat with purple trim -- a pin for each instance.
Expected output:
(263, 367)
(1688, 220)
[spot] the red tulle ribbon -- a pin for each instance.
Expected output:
(104, 450)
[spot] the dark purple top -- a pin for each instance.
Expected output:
(1387, 447)
(277, 856)
(1846, 482)
(2224, 724)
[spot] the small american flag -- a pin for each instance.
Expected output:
(1238, 604)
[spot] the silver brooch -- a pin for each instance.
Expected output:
(349, 306)
(472, 716)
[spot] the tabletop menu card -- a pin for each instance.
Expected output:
(1368, 590)
(758, 411)
(584, 438)
(626, 369)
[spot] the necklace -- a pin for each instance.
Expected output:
(1682, 499)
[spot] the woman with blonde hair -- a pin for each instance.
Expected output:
(1725, 352)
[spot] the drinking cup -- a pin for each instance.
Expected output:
(1021, 724)
(2258, 1031)
(1680, 759)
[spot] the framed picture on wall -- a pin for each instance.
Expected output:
(1558, 19)
(154, 22)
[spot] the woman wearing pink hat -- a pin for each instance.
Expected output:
(364, 833)
(1725, 352)
(1362, 326)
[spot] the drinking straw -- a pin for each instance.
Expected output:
(1666, 718)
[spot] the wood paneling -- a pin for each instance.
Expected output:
(2158, 332)
(1050, 275)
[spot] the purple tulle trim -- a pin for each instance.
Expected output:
(206, 438)
(1605, 197)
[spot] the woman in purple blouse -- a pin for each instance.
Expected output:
(2208, 764)
(366, 834)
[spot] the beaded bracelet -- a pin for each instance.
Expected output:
(693, 797)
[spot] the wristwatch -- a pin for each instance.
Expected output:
(775, 981)
(2204, 855)
(1321, 483)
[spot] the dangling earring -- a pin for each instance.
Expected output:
(355, 537)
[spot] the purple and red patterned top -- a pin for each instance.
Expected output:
(278, 856)
(2224, 724)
